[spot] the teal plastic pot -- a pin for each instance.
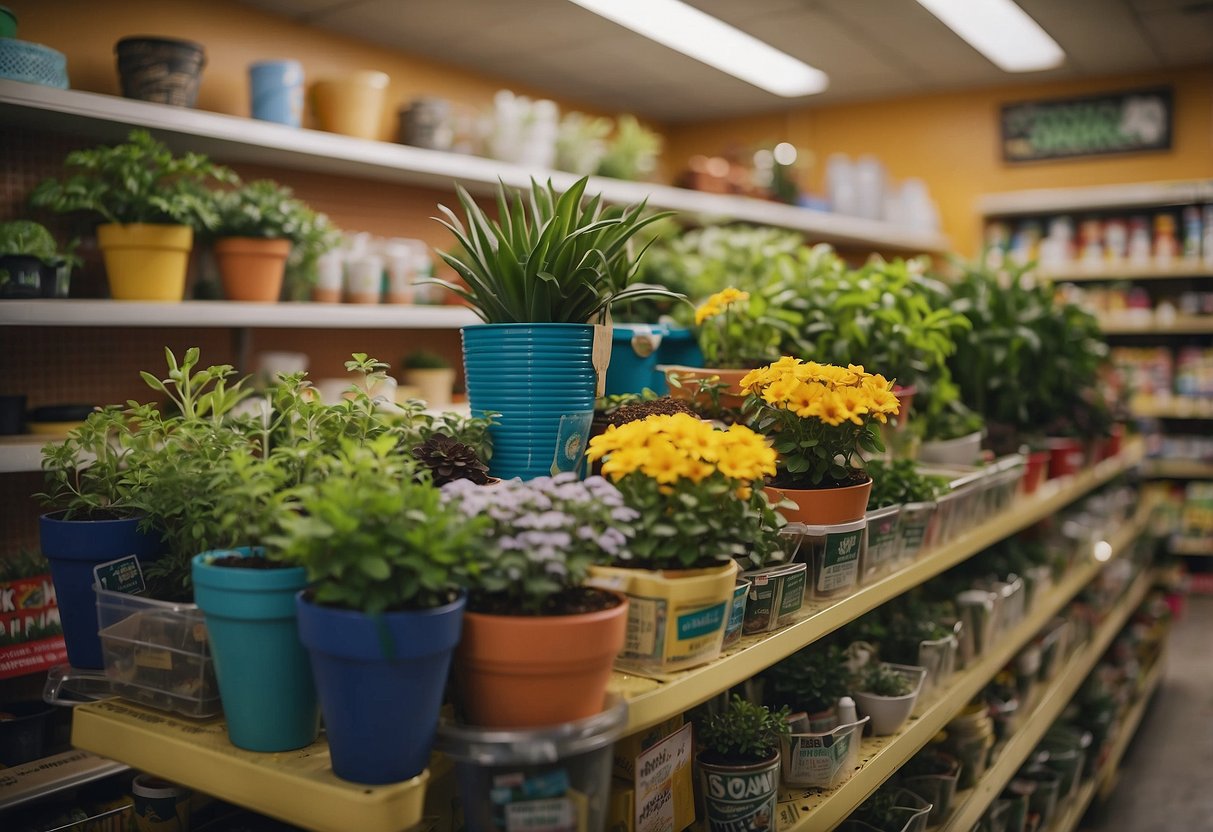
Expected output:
(679, 347)
(634, 351)
(8, 23)
(540, 378)
(263, 670)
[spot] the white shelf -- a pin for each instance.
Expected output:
(1099, 197)
(1078, 273)
(22, 453)
(223, 313)
(233, 139)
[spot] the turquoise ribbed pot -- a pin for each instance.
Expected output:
(264, 674)
(634, 350)
(541, 379)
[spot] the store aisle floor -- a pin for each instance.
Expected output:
(1164, 783)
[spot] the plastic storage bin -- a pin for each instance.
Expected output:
(834, 555)
(156, 653)
(884, 542)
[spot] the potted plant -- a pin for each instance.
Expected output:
(632, 152)
(811, 680)
(539, 276)
(432, 375)
(387, 561)
(890, 809)
(699, 514)
(887, 693)
(537, 645)
(738, 765)
(819, 417)
(901, 508)
(31, 264)
(258, 226)
(952, 433)
(932, 774)
(449, 460)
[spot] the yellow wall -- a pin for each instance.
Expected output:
(951, 140)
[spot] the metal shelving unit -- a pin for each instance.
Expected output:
(653, 700)
(813, 810)
(1178, 469)
(1079, 274)
(1176, 407)
(1096, 198)
(38, 779)
(972, 804)
(232, 314)
(234, 139)
(1179, 325)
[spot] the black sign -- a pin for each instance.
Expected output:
(1064, 128)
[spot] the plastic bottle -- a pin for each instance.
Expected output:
(1166, 246)
(846, 711)
(1192, 233)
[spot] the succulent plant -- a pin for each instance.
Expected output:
(448, 460)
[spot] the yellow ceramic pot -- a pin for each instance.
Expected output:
(352, 105)
(144, 261)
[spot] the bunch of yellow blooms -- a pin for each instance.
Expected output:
(719, 302)
(693, 489)
(826, 392)
(681, 447)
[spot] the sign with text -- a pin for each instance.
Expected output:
(31, 637)
(1095, 125)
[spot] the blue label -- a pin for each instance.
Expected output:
(701, 622)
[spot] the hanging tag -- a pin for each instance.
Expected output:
(602, 355)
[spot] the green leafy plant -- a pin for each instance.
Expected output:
(23, 237)
(140, 181)
(812, 679)
(899, 481)
(942, 415)
(425, 360)
(373, 537)
(744, 733)
(262, 209)
(739, 330)
(541, 537)
(449, 460)
(85, 474)
(632, 152)
(879, 679)
(581, 142)
(548, 258)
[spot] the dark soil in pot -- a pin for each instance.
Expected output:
(251, 562)
(573, 601)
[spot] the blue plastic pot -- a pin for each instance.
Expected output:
(264, 675)
(634, 351)
(541, 379)
(73, 548)
(276, 91)
(380, 680)
(678, 346)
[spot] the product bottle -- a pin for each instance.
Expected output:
(1206, 245)
(1139, 241)
(846, 711)
(1191, 234)
(1166, 246)
(1115, 242)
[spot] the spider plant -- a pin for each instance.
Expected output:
(549, 257)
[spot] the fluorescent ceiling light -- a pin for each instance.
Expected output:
(1001, 31)
(711, 41)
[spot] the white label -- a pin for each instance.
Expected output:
(646, 618)
(655, 781)
(554, 815)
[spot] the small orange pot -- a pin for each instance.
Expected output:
(251, 268)
(823, 506)
(533, 671)
(732, 398)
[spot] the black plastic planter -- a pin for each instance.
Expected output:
(164, 70)
(22, 731)
(12, 415)
(20, 276)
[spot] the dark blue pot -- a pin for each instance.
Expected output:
(680, 347)
(380, 680)
(265, 677)
(541, 379)
(633, 357)
(73, 548)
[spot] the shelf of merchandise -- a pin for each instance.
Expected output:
(1175, 407)
(1079, 273)
(1179, 325)
(1192, 547)
(972, 804)
(1178, 469)
(37, 779)
(652, 700)
(235, 139)
(297, 787)
(232, 314)
(1100, 783)
(818, 810)
(1056, 200)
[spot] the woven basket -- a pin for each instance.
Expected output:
(32, 63)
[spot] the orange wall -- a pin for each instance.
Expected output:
(951, 140)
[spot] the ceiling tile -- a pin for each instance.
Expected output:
(1184, 38)
(1098, 36)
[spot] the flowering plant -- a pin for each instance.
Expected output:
(820, 416)
(693, 486)
(541, 538)
(739, 329)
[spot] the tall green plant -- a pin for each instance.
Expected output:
(139, 181)
(549, 257)
(743, 733)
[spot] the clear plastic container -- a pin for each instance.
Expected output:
(821, 760)
(834, 556)
(156, 653)
(776, 596)
(916, 528)
(509, 779)
(884, 542)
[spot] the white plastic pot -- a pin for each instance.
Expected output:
(963, 451)
(889, 713)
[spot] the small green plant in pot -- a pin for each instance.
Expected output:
(812, 680)
(152, 203)
(701, 512)
(887, 693)
(387, 561)
(538, 645)
(432, 375)
(259, 226)
(540, 276)
(738, 765)
(31, 262)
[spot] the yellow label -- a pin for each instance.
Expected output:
(156, 659)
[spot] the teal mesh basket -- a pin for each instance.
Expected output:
(32, 63)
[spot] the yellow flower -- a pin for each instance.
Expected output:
(832, 410)
(624, 462)
(779, 391)
(664, 463)
(856, 403)
(884, 402)
(859, 371)
(719, 302)
(805, 399)
(705, 311)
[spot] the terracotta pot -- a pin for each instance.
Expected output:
(1066, 456)
(731, 398)
(1114, 443)
(1036, 471)
(905, 396)
(532, 671)
(252, 269)
(823, 506)
(326, 295)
